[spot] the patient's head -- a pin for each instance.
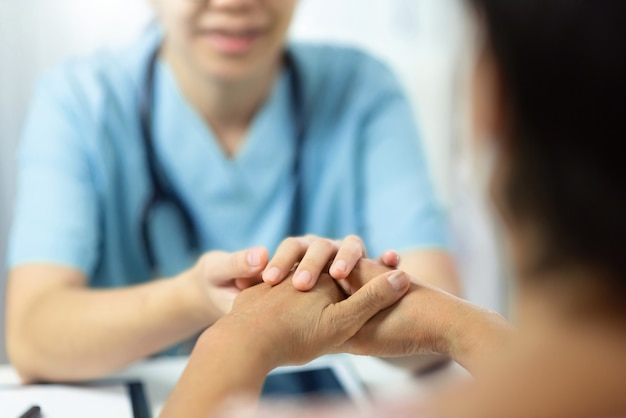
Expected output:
(550, 94)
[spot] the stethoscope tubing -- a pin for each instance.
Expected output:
(164, 194)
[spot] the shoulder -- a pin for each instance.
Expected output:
(106, 78)
(325, 60)
(343, 71)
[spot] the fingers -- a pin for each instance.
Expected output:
(351, 251)
(313, 263)
(364, 272)
(312, 255)
(242, 264)
(346, 254)
(380, 293)
(390, 258)
(289, 252)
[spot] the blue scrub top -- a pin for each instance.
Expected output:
(83, 182)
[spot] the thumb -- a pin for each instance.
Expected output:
(380, 293)
(224, 266)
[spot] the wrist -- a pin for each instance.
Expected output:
(198, 308)
(474, 335)
(232, 364)
(240, 344)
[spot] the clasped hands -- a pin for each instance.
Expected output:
(334, 300)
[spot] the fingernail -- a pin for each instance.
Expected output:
(398, 281)
(304, 278)
(254, 258)
(340, 266)
(272, 275)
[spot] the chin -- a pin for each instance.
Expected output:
(230, 76)
(229, 72)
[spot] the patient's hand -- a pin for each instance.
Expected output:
(364, 271)
(295, 327)
(417, 324)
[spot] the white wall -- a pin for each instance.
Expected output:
(420, 38)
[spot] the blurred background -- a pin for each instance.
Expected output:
(423, 40)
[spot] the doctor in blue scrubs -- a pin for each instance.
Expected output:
(156, 180)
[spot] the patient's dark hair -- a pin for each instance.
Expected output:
(562, 65)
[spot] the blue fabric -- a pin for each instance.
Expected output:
(83, 180)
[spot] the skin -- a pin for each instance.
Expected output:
(225, 55)
(564, 359)
(234, 85)
(434, 267)
(313, 253)
(359, 324)
(53, 303)
(245, 341)
(47, 302)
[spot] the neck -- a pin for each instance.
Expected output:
(227, 106)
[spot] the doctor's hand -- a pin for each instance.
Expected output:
(218, 277)
(310, 256)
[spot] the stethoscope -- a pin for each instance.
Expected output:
(164, 194)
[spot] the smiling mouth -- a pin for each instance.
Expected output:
(232, 42)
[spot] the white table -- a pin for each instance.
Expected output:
(383, 380)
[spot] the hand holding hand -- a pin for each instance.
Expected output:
(426, 320)
(218, 277)
(296, 327)
(312, 255)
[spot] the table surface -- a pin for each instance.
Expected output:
(381, 379)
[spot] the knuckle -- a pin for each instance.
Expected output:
(206, 261)
(203, 261)
(354, 244)
(323, 245)
(239, 261)
(305, 241)
(291, 242)
(354, 239)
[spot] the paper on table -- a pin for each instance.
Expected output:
(58, 401)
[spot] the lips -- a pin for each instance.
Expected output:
(232, 42)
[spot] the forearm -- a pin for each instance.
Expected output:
(222, 366)
(73, 333)
(429, 321)
(476, 336)
(470, 335)
(435, 267)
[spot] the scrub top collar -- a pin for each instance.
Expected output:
(195, 163)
